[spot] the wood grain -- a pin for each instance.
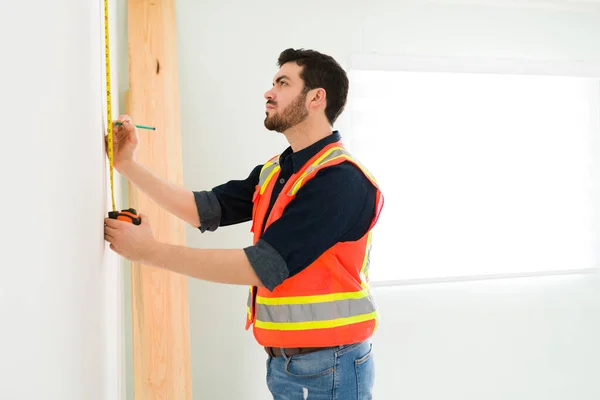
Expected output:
(161, 349)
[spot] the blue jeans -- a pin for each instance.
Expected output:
(338, 373)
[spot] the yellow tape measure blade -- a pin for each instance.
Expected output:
(110, 141)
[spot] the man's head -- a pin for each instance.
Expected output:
(308, 84)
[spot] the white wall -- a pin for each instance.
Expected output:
(59, 292)
(521, 339)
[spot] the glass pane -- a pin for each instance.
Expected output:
(481, 173)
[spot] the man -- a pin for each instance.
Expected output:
(312, 209)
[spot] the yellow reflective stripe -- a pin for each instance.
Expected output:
(318, 161)
(366, 259)
(365, 283)
(324, 159)
(297, 186)
(321, 160)
(365, 170)
(268, 179)
(297, 326)
(249, 303)
(267, 171)
(321, 298)
(298, 183)
(267, 165)
(364, 271)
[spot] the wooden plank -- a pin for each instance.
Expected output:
(161, 349)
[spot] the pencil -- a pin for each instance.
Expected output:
(139, 126)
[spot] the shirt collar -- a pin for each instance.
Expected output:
(301, 157)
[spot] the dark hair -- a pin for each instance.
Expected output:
(321, 71)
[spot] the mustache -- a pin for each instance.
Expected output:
(271, 103)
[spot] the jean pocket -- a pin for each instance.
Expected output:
(365, 375)
(311, 365)
(366, 357)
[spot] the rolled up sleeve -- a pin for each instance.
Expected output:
(209, 210)
(268, 264)
(227, 204)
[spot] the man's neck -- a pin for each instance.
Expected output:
(305, 134)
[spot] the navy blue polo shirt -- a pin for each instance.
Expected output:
(336, 205)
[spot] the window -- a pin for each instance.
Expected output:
(482, 173)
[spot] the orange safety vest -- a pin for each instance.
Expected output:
(329, 302)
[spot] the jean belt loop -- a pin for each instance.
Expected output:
(283, 353)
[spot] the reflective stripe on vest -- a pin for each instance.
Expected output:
(331, 154)
(312, 312)
(267, 172)
(249, 304)
(364, 270)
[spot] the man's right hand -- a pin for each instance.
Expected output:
(171, 197)
(125, 141)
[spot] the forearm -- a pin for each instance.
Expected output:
(219, 265)
(173, 198)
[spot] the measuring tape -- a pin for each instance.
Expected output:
(111, 156)
(130, 214)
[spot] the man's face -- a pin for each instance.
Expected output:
(286, 106)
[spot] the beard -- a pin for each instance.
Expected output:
(291, 116)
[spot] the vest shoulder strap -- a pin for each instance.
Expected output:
(332, 156)
(267, 172)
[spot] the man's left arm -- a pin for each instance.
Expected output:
(137, 243)
(214, 265)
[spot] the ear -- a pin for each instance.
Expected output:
(317, 98)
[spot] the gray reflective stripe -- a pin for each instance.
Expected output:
(249, 299)
(335, 153)
(266, 171)
(315, 311)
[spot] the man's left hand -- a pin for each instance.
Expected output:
(134, 242)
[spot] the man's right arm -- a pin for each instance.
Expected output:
(173, 198)
(226, 204)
